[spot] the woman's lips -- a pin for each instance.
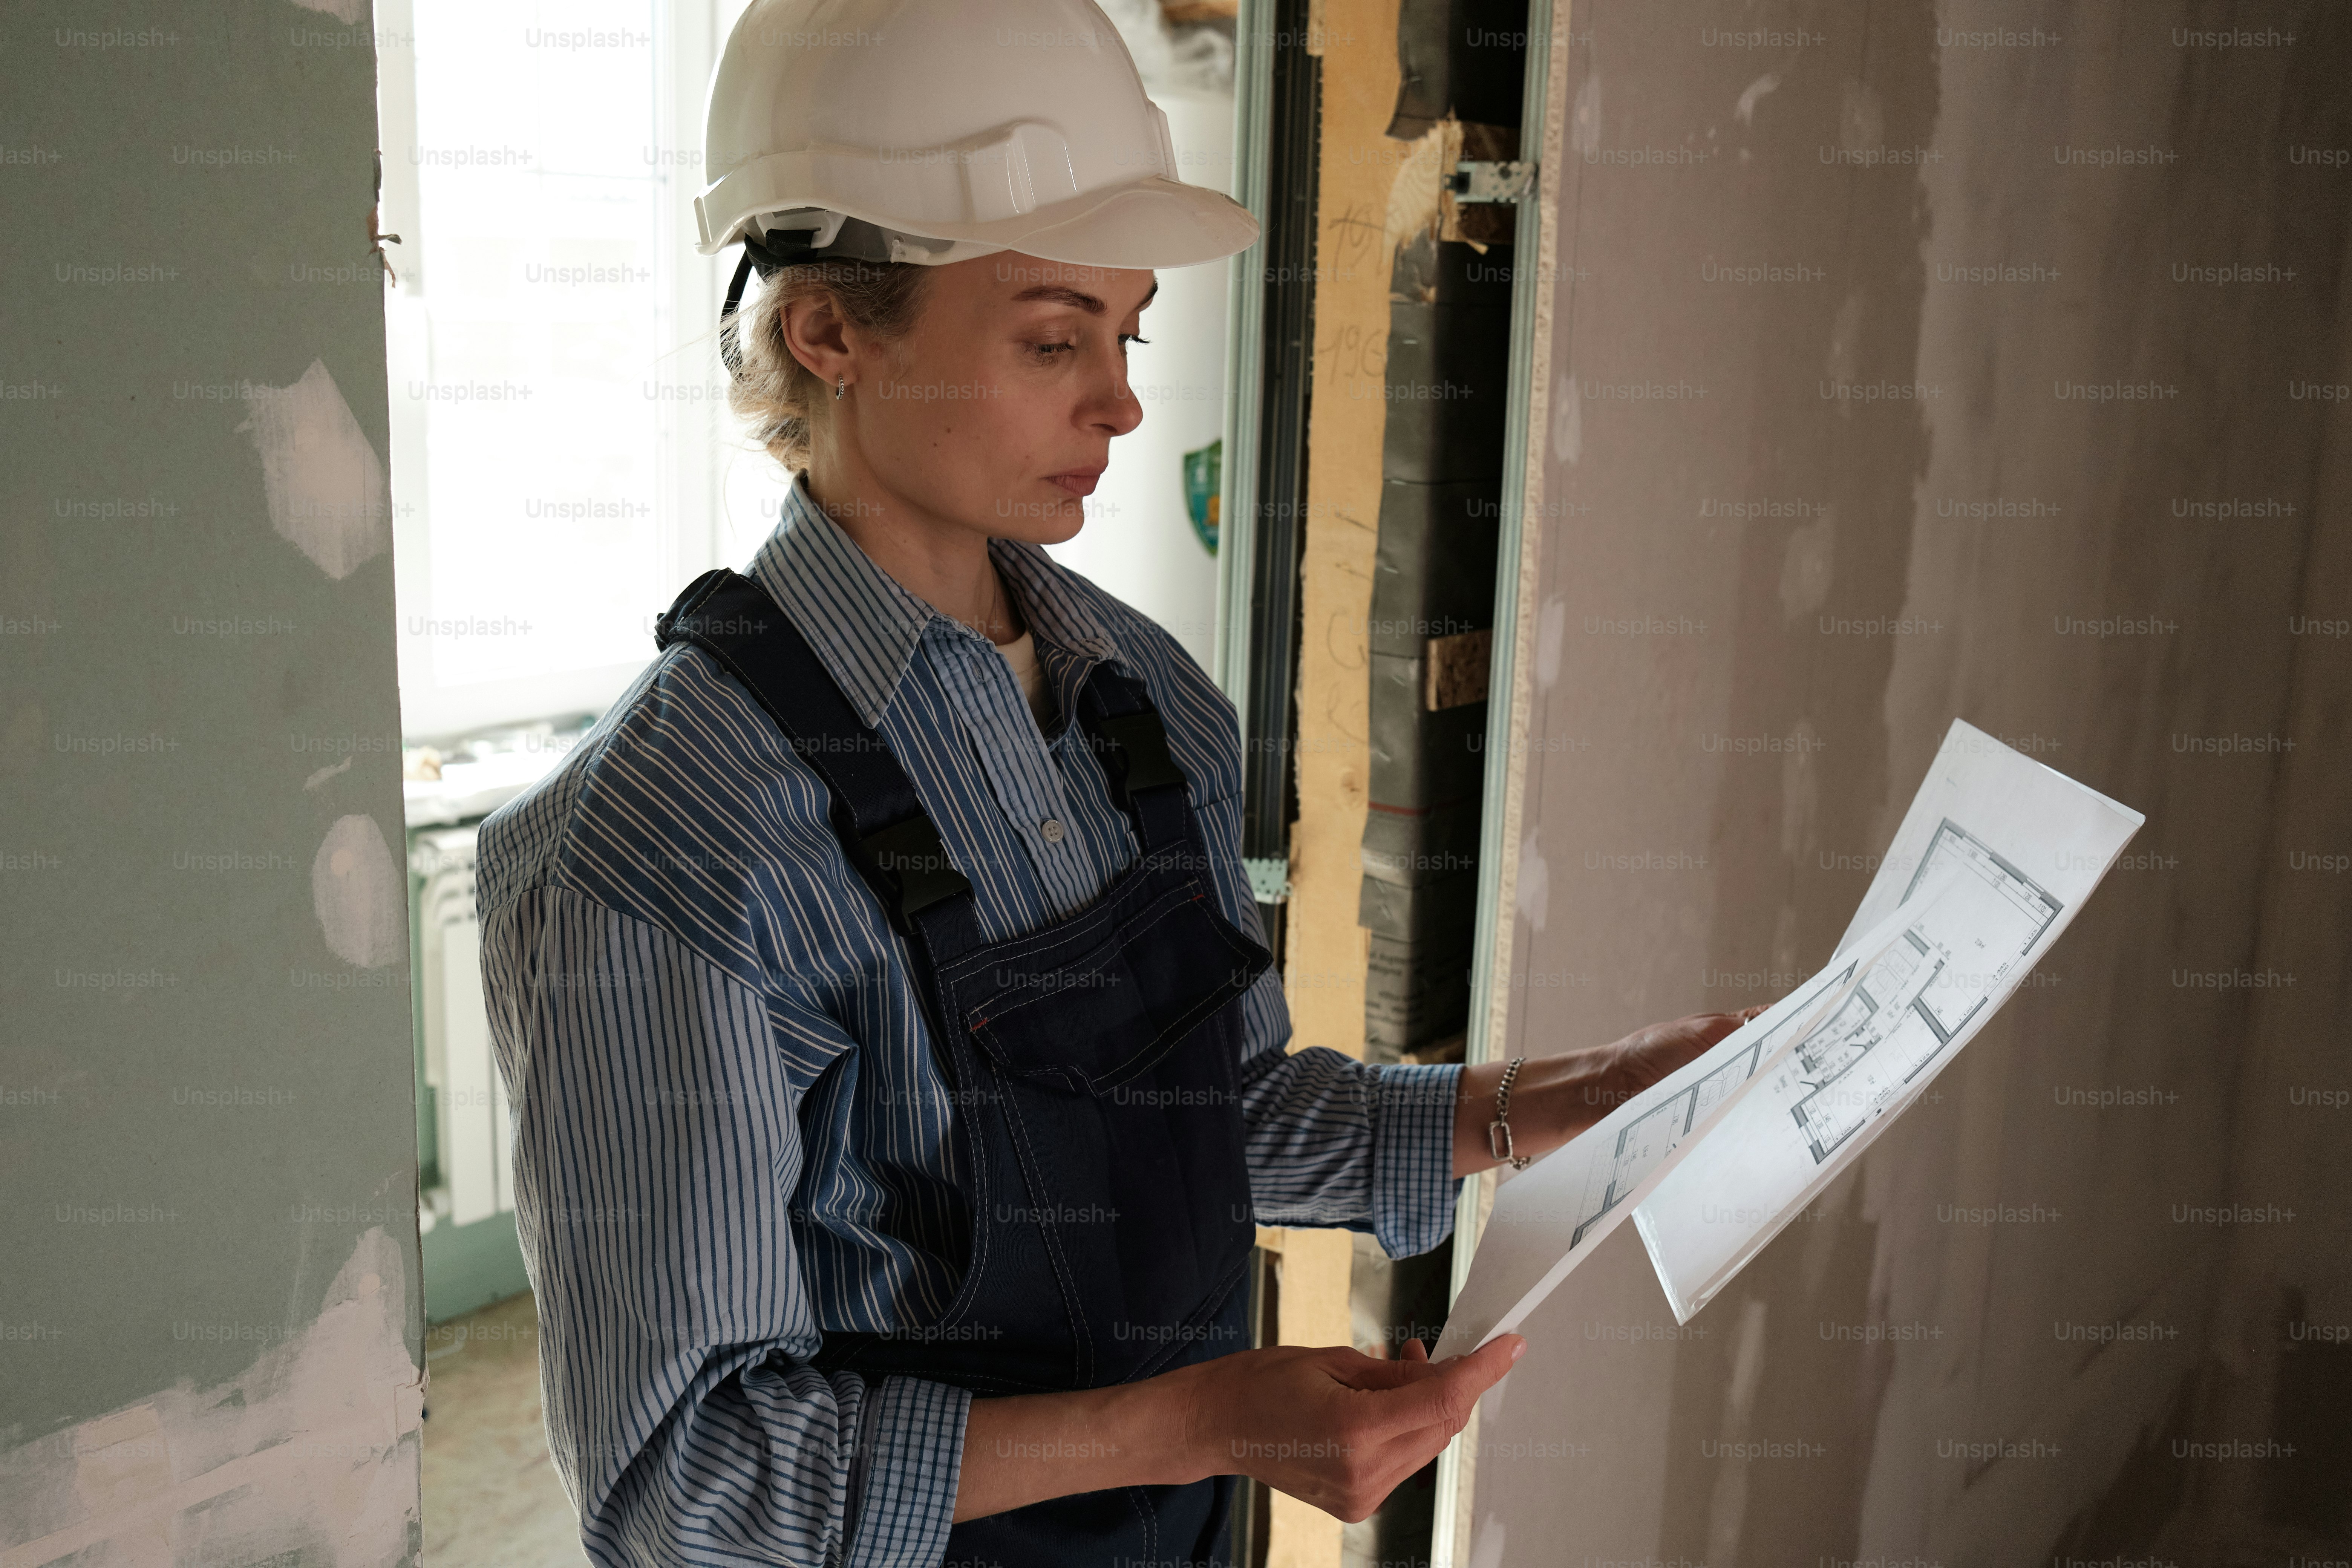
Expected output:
(1078, 481)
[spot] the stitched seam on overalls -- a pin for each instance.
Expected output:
(989, 1011)
(1083, 1367)
(1179, 1028)
(1167, 1352)
(1141, 1502)
(1038, 942)
(1050, 936)
(1182, 1029)
(969, 1290)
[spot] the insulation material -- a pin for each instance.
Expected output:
(1448, 363)
(1459, 60)
(1448, 371)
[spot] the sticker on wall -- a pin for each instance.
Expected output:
(1203, 479)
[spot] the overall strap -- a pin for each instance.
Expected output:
(1128, 738)
(880, 821)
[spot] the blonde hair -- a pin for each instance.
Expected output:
(776, 394)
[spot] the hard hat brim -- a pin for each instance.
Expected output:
(1153, 223)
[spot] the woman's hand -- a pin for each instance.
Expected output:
(1657, 1050)
(1333, 1427)
(1553, 1098)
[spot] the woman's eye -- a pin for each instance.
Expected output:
(1047, 351)
(1127, 338)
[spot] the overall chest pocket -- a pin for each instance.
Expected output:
(1088, 1003)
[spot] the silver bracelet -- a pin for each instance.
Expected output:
(1501, 1147)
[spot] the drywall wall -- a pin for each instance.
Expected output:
(1914, 361)
(210, 1314)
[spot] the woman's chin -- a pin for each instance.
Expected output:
(1048, 515)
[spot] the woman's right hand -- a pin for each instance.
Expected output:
(1333, 1426)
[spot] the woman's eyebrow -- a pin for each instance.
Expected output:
(1057, 294)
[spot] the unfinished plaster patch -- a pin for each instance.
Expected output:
(1551, 630)
(1821, 1238)
(1784, 940)
(1567, 420)
(1843, 361)
(329, 771)
(1535, 883)
(1862, 119)
(324, 479)
(1744, 110)
(1801, 789)
(1584, 125)
(1807, 565)
(310, 1452)
(119, 1459)
(359, 894)
(1727, 1508)
(1842, 365)
(1486, 1550)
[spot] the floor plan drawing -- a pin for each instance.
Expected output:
(1996, 855)
(1652, 1136)
(1546, 1221)
(1922, 992)
(1712, 1161)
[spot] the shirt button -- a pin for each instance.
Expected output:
(1053, 830)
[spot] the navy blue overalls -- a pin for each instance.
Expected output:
(1105, 1218)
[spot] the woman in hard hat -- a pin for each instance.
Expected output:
(898, 1071)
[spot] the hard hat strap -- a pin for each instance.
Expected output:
(854, 239)
(728, 349)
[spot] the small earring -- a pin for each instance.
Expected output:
(840, 385)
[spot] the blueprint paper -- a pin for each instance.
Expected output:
(2043, 821)
(1993, 858)
(2013, 848)
(1550, 1217)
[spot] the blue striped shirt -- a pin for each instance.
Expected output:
(710, 1039)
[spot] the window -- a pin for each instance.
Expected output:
(561, 461)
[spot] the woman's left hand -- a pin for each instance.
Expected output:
(1555, 1098)
(1655, 1050)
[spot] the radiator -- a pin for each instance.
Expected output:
(470, 1121)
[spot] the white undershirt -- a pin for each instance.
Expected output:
(1021, 653)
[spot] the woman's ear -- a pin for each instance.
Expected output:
(816, 336)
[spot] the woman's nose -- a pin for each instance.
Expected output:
(1114, 407)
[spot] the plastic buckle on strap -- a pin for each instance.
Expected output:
(911, 855)
(1143, 746)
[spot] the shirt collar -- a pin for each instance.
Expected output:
(864, 625)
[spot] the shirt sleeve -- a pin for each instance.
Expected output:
(1337, 1142)
(656, 1155)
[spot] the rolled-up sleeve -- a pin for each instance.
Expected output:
(655, 1158)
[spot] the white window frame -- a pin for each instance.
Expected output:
(716, 491)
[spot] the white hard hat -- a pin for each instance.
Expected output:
(932, 131)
